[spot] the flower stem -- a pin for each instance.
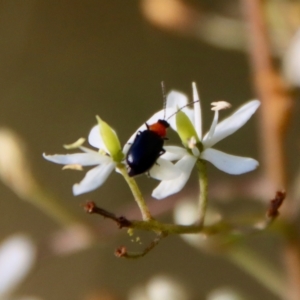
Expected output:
(203, 184)
(138, 197)
(259, 269)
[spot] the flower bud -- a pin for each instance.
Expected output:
(185, 128)
(110, 140)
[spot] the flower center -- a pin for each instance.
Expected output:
(192, 144)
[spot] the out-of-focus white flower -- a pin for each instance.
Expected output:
(186, 213)
(15, 169)
(109, 154)
(291, 61)
(17, 256)
(188, 124)
(160, 287)
(224, 294)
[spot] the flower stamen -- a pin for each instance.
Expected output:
(192, 144)
(76, 167)
(217, 106)
(75, 145)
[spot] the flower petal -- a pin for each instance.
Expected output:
(197, 111)
(230, 164)
(170, 187)
(96, 140)
(84, 159)
(164, 170)
(177, 100)
(173, 153)
(17, 255)
(231, 124)
(93, 179)
(111, 140)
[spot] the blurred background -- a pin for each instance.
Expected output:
(62, 63)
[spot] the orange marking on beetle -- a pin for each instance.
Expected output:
(160, 128)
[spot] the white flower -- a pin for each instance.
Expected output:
(107, 158)
(109, 154)
(224, 293)
(291, 61)
(17, 256)
(159, 287)
(198, 147)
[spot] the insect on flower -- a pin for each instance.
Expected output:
(147, 146)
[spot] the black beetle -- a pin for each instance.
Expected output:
(146, 148)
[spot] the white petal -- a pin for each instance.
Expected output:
(173, 153)
(213, 126)
(17, 255)
(197, 111)
(96, 140)
(232, 123)
(84, 159)
(164, 170)
(93, 179)
(230, 164)
(87, 150)
(176, 99)
(170, 187)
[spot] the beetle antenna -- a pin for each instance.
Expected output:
(181, 108)
(163, 88)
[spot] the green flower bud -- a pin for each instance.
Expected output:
(185, 128)
(110, 140)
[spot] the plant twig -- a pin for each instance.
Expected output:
(91, 208)
(122, 251)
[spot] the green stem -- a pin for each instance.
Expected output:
(138, 197)
(203, 184)
(259, 269)
(153, 225)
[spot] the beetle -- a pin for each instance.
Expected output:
(147, 146)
